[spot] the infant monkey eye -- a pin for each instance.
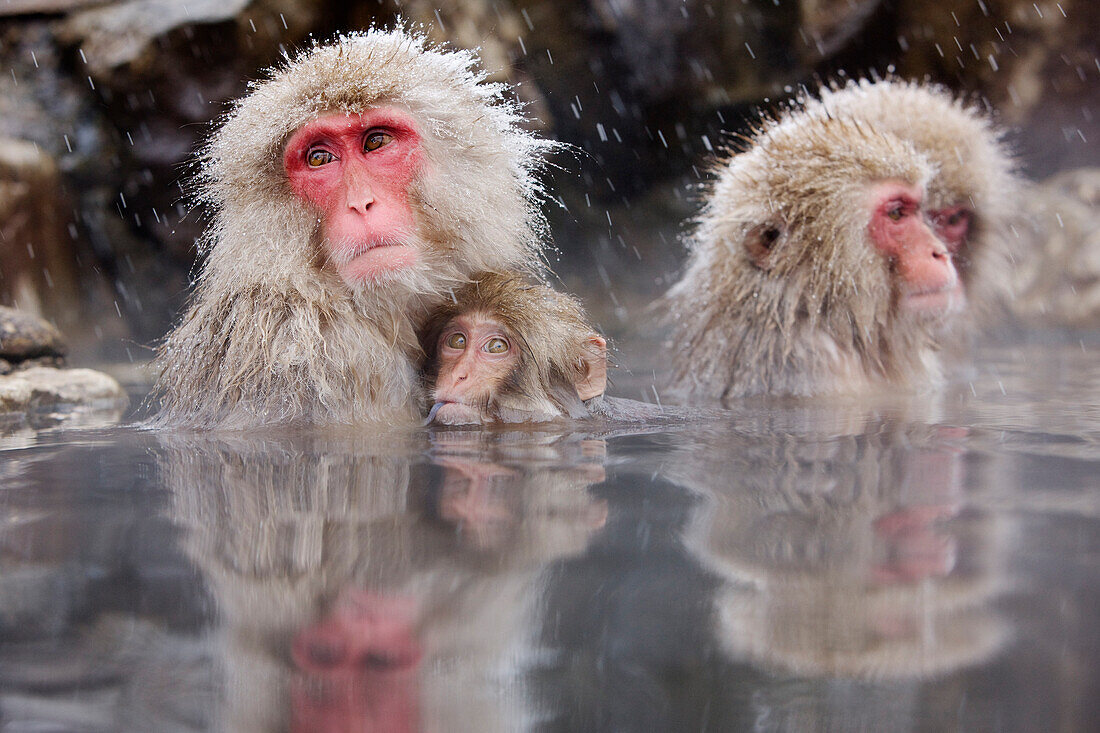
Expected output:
(496, 345)
(375, 140)
(456, 341)
(318, 157)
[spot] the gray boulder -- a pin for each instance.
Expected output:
(27, 340)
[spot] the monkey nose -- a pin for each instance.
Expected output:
(360, 204)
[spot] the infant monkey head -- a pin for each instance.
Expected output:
(506, 350)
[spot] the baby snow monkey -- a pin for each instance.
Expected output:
(506, 350)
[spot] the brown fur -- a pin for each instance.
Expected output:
(550, 328)
(820, 315)
(272, 334)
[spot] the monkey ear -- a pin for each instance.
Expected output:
(760, 242)
(591, 380)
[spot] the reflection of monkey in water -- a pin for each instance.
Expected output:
(349, 191)
(359, 667)
(353, 589)
(506, 350)
(848, 555)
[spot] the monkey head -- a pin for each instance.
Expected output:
(972, 199)
(816, 266)
(378, 159)
(831, 215)
(510, 351)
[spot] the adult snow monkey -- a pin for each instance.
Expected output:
(816, 267)
(350, 191)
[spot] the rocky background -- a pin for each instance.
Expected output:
(102, 104)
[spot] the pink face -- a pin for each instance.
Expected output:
(953, 226)
(476, 354)
(357, 169)
(478, 499)
(923, 262)
(357, 668)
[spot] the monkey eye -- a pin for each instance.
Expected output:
(895, 213)
(953, 225)
(375, 140)
(456, 340)
(318, 157)
(496, 345)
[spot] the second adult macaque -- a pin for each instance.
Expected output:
(815, 268)
(509, 351)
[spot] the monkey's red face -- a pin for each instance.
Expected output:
(357, 668)
(922, 262)
(953, 226)
(357, 170)
(476, 355)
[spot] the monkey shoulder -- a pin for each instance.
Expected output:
(623, 410)
(258, 354)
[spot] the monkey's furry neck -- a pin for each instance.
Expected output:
(737, 337)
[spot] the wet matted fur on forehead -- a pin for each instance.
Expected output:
(550, 327)
(745, 329)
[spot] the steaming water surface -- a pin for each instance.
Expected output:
(926, 563)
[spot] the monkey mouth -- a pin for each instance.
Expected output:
(364, 247)
(374, 262)
(935, 301)
(446, 412)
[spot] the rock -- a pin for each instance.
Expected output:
(26, 337)
(38, 260)
(122, 33)
(42, 388)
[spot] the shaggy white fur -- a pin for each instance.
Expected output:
(272, 334)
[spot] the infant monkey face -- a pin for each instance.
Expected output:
(478, 359)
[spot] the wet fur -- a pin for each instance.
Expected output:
(550, 328)
(272, 334)
(820, 315)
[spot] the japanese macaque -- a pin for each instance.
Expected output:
(974, 196)
(815, 267)
(510, 351)
(349, 192)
